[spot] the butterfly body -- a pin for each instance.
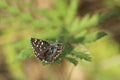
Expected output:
(46, 52)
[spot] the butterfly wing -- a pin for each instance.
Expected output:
(52, 57)
(40, 47)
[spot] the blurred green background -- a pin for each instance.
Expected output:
(89, 30)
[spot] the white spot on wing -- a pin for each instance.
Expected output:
(58, 51)
(42, 43)
(40, 46)
(45, 61)
(33, 43)
(40, 49)
(37, 54)
(37, 45)
(35, 40)
(44, 47)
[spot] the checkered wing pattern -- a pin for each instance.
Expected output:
(40, 47)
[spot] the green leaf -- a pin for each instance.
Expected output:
(74, 25)
(105, 16)
(82, 55)
(84, 22)
(61, 7)
(50, 15)
(71, 12)
(100, 35)
(91, 37)
(72, 60)
(27, 52)
(94, 20)
(49, 34)
(81, 34)
(88, 21)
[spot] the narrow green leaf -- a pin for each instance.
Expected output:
(84, 21)
(71, 12)
(61, 6)
(100, 35)
(50, 14)
(94, 36)
(47, 34)
(27, 52)
(105, 16)
(94, 20)
(82, 55)
(72, 60)
(74, 25)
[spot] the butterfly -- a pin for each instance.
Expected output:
(45, 51)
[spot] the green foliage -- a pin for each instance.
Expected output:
(10, 56)
(61, 23)
(21, 20)
(13, 11)
(58, 23)
(25, 17)
(3, 4)
(55, 26)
